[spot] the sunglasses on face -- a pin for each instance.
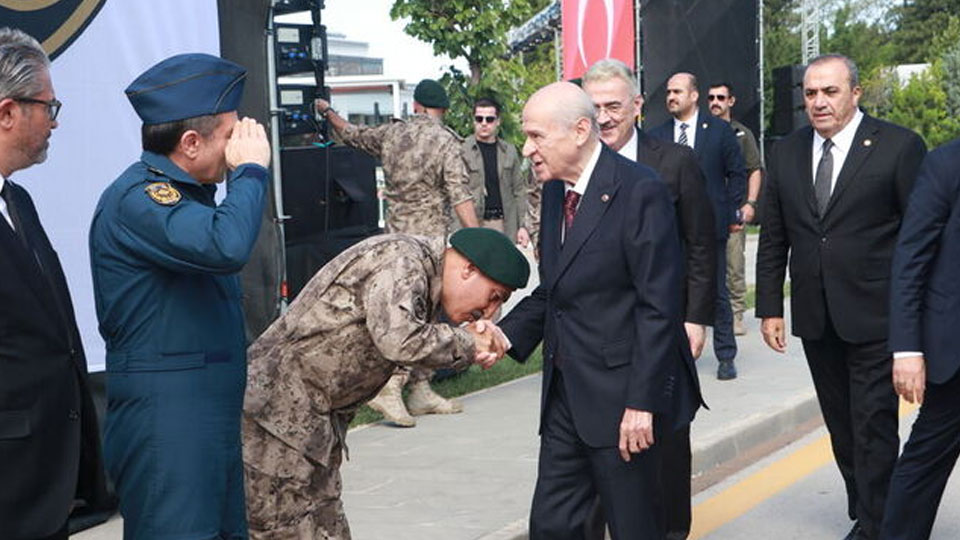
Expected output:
(484, 119)
(715, 97)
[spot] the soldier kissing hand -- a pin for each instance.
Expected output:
(490, 342)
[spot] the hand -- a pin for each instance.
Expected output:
(321, 105)
(248, 144)
(489, 341)
(735, 228)
(748, 212)
(636, 432)
(696, 335)
(523, 237)
(910, 378)
(772, 329)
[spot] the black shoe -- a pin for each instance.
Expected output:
(726, 370)
(852, 535)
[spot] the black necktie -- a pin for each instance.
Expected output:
(7, 194)
(821, 183)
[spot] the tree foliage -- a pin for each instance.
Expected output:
(921, 105)
(917, 23)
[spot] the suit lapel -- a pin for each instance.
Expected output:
(600, 191)
(856, 157)
(804, 164)
(702, 134)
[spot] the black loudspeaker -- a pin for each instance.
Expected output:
(325, 189)
(716, 40)
(789, 112)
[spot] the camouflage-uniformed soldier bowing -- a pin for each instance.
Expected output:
(425, 178)
(374, 307)
(165, 259)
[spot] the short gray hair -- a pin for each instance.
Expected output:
(851, 66)
(611, 68)
(22, 59)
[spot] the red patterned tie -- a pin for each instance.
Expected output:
(570, 201)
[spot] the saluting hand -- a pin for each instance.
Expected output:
(248, 144)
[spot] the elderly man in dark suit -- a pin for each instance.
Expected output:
(49, 440)
(836, 194)
(720, 159)
(617, 368)
(924, 310)
(618, 102)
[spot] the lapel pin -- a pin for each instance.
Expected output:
(704, 125)
(604, 197)
(867, 142)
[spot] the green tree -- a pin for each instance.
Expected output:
(476, 30)
(921, 105)
(917, 23)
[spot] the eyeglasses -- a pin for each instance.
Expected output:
(53, 106)
(484, 119)
(715, 97)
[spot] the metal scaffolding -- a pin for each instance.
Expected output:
(810, 32)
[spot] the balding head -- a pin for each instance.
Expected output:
(561, 128)
(682, 95)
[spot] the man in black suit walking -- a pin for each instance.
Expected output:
(617, 368)
(835, 197)
(618, 102)
(924, 310)
(717, 150)
(49, 441)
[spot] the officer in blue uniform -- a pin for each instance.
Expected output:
(165, 259)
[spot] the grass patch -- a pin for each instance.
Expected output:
(467, 382)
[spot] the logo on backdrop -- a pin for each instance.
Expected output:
(594, 30)
(55, 23)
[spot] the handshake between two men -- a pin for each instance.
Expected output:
(490, 342)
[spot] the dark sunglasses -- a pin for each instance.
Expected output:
(53, 106)
(481, 119)
(715, 97)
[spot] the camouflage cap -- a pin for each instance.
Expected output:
(493, 254)
(429, 93)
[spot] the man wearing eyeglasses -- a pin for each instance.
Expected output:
(50, 459)
(720, 99)
(493, 171)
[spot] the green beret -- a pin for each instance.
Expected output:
(493, 254)
(429, 93)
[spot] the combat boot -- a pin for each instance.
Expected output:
(423, 400)
(389, 402)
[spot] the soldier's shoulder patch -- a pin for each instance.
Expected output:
(163, 193)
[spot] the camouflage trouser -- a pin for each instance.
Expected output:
(288, 496)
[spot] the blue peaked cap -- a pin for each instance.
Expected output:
(185, 86)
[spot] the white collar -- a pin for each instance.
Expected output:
(581, 185)
(843, 139)
(629, 150)
(692, 122)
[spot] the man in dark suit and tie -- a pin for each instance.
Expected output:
(835, 197)
(717, 150)
(617, 367)
(618, 102)
(924, 310)
(49, 440)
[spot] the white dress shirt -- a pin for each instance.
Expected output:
(691, 129)
(629, 150)
(3, 204)
(842, 142)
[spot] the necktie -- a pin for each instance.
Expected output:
(570, 201)
(7, 195)
(683, 135)
(821, 183)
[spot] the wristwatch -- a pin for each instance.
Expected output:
(753, 204)
(324, 112)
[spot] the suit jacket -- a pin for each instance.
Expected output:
(924, 296)
(49, 439)
(513, 185)
(840, 262)
(608, 304)
(677, 166)
(720, 160)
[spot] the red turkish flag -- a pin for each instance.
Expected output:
(594, 30)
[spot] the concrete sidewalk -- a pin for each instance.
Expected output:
(471, 476)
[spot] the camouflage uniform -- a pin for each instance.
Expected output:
(371, 309)
(425, 174)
